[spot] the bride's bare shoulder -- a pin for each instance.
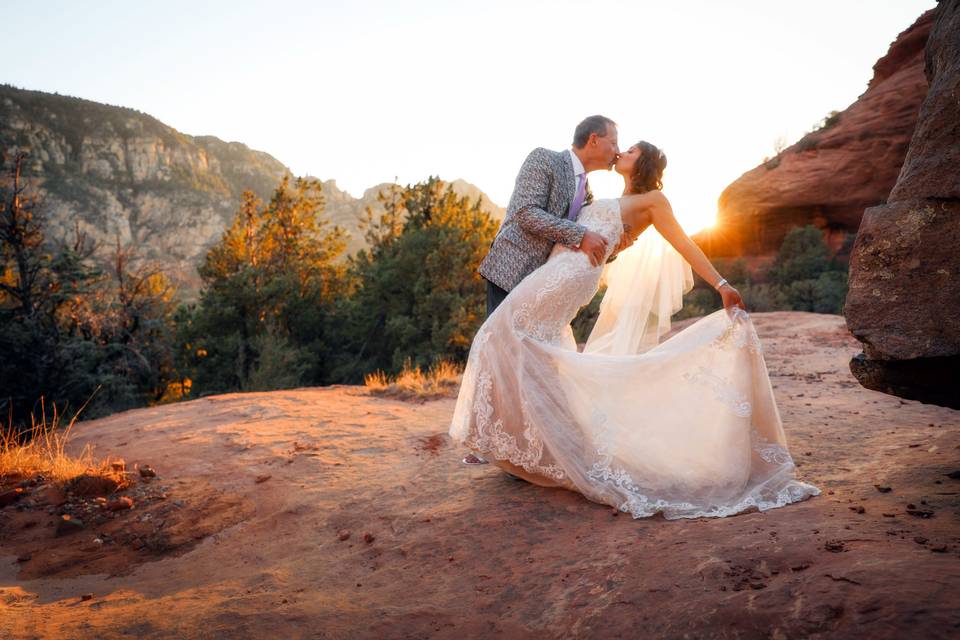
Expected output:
(642, 202)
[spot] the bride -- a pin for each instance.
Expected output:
(688, 427)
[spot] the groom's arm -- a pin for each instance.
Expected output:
(532, 193)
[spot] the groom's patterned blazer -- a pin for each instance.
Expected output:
(535, 220)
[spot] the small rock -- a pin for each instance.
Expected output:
(953, 475)
(368, 537)
(942, 548)
(67, 525)
(87, 596)
(146, 471)
(883, 489)
(25, 557)
(91, 484)
(834, 546)
(858, 509)
(9, 497)
(920, 540)
(921, 513)
(263, 478)
(889, 515)
(121, 503)
(801, 566)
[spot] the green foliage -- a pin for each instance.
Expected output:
(803, 277)
(809, 279)
(279, 365)
(270, 286)
(418, 294)
(68, 329)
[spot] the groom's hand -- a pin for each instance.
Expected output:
(595, 246)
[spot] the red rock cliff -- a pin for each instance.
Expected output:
(831, 175)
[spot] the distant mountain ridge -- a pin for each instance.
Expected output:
(120, 173)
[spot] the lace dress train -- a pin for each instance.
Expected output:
(688, 428)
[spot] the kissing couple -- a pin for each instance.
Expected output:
(687, 427)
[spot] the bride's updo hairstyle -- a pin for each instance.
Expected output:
(648, 171)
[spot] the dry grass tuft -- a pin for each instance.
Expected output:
(41, 450)
(442, 380)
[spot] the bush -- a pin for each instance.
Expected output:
(442, 380)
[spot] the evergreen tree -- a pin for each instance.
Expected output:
(809, 279)
(67, 328)
(418, 296)
(269, 286)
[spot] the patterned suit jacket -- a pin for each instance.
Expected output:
(535, 219)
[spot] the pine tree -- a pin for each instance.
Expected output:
(419, 296)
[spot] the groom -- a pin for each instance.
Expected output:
(551, 189)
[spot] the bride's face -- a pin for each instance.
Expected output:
(627, 160)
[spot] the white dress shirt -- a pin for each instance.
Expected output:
(578, 169)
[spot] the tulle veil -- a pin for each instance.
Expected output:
(645, 287)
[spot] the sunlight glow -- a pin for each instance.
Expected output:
(367, 91)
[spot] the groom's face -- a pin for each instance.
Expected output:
(605, 148)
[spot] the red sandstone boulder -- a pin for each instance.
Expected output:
(832, 174)
(904, 297)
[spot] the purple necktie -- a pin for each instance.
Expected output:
(578, 197)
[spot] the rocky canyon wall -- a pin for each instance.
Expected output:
(829, 176)
(904, 299)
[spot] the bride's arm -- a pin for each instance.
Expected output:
(666, 224)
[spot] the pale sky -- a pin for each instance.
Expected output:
(365, 92)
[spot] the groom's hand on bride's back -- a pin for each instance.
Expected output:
(595, 246)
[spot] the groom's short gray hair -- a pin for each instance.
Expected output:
(593, 124)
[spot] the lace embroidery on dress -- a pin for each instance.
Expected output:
(548, 329)
(490, 436)
(739, 334)
(770, 452)
(639, 505)
(723, 391)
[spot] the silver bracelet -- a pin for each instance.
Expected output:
(722, 282)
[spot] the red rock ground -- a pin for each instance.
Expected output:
(437, 549)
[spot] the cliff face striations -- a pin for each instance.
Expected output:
(830, 175)
(117, 173)
(904, 299)
(121, 174)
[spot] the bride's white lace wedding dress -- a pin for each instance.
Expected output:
(688, 427)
